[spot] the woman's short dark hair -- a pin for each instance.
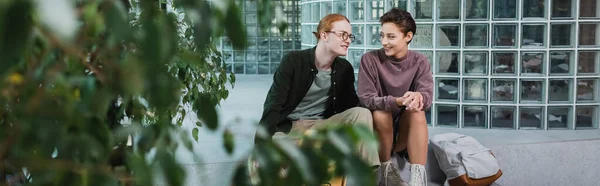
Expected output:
(402, 19)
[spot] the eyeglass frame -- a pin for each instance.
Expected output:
(347, 35)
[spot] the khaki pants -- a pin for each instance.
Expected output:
(353, 116)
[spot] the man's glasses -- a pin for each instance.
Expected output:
(344, 35)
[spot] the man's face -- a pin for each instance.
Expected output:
(338, 39)
(393, 40)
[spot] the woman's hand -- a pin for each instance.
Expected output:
(412, 100)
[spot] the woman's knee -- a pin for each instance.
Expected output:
(382, 119)
(414, 118)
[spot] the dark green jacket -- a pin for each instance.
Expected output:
(291, 82)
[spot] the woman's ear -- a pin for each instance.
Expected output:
(408, 37)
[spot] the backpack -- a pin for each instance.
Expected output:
(464, 160)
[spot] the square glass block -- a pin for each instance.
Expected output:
(448, 9)
(561, 35)
(307, 34)
(397, 4)
(559, 117)
(227, 56)
(250, 56)
(531, 118)
(238, 68)
(252, 31)
(275, 56)
(562, 9)
(503, 117)
(251, 44)
(373, 35)
(251, 68)
(589, 9)
(447, 89)
(588, 62)
(586, 117)
(589, 34)
(504, 35)
(587, 90)
(288, 43)
(533, 35)
(226, 43)
(505, 9)
(504, 63)
(424, 36)
(532, 90)
(251, 18)
(448, 35)
(238, 56)
(476, 35)
(326, 8)
(429, 55)
(276, 43)
(376, 9)
(475, 116)
(560, 90)
(354, 56)
(313, 39)
(475, 89)
(339, 7)
(448, 62)
(534, 8)
(250, 6)
(532, 63)
(447, 115)
(476, 10)
(315, 12)
(423, 9)
(561, 63)
(263, 43)
(263, 56)
(503, 90)
(356, 10)
(358, 31)
(229, 67)
(475, 63)
(306, 18)
(263, 68)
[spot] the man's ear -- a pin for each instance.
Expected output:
(324, 36)
(408, 37)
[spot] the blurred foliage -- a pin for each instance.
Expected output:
(82, 78)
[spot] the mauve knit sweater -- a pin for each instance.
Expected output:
(381, 79)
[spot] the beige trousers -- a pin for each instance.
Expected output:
(353, 116)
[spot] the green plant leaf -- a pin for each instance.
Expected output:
(173, 173)
(228, 141)
(206, 111)
(143, 172)
(17, 25)
(300, 162)
(195, 134)
(234, 27)
(199, 124)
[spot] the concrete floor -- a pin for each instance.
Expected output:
(210, 165)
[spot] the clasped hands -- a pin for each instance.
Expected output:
(412, 100)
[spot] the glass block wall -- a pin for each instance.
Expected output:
(265, 50)
(501, 64)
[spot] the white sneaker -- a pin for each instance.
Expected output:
(390, 175)
(418, 175)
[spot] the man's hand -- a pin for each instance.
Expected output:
(413, 101)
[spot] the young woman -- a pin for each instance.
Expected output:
(396, 84)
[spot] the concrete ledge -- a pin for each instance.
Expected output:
(527, 157)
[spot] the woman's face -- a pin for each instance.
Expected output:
(392, 39)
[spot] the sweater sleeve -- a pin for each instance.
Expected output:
(424, 81)
(368, 93)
